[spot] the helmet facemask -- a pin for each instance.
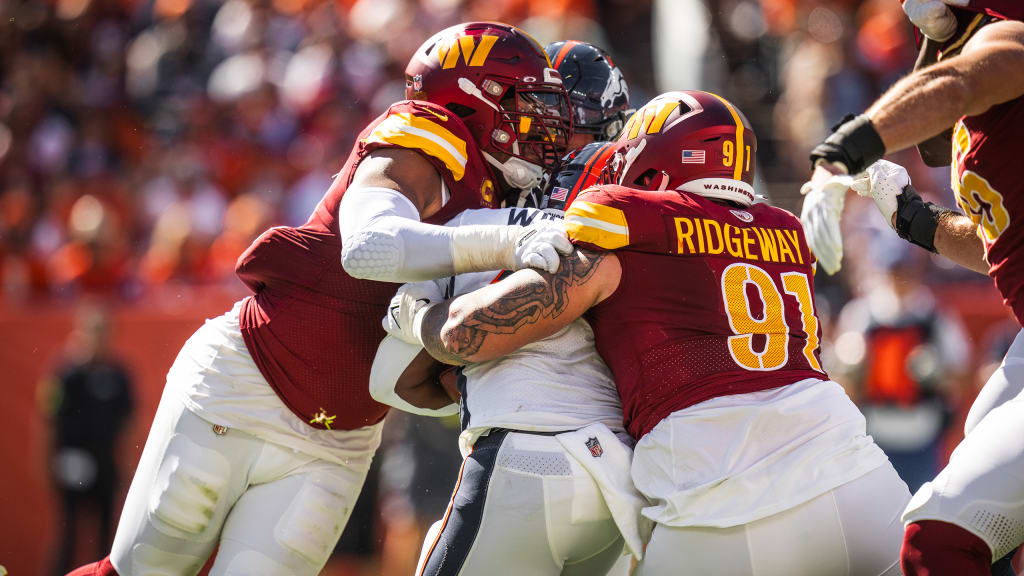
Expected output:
(533, 125)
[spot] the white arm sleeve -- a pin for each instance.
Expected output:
(393, 357)
(383, 239)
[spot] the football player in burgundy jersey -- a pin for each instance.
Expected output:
(973, 512)
(702, 304)
(525, 500)
(266, 427)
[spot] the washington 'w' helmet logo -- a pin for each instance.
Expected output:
(473, 54)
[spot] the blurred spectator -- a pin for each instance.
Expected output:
(900, 356)
(91, 402)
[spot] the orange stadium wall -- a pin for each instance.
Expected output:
(147, 337)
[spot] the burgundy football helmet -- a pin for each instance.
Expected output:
(691, 141)
(500, 82)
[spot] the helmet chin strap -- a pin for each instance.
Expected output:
(517, 172)
(664, 181)
(467, 86)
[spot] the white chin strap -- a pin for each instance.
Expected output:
(721, 189)
(518, 172)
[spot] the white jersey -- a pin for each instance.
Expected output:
(556, 384)
(739, 458)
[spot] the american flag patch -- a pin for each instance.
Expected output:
(559, 194)
(693, 156)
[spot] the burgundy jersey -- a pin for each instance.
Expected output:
(988, 187)
(713, 300)
(311, 328)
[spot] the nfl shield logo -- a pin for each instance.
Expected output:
(417, 82)
(595, 447)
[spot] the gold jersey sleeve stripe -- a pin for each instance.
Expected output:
(737, 172)
(579, 231)
(596, 224)
(955, 47)
(607, 214)
(417, 133)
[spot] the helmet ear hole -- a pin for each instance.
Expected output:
(460, 110)
(644, 180)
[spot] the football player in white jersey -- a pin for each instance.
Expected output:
(544, 487)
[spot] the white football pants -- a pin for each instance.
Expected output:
(982, 487)
(852, 530)
(522, 505)
(272, 510)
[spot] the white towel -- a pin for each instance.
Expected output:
(608, 460)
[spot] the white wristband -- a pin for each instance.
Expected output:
(482, 248)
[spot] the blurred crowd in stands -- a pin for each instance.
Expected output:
(146, 143)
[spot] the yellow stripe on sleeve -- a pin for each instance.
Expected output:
(596, 224)
(409, 131)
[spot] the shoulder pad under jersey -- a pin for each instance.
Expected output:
(428, 128)
(611, 217)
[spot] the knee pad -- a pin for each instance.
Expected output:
(253, 563)
(191, 483)
(931, 547)
(147, 559)
(313, 522)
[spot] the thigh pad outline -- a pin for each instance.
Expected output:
(312, 524)
(192, 481)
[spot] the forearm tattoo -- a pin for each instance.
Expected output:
(542, 296)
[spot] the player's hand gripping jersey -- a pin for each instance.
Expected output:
(714, 300)
(986, 180)
(310, 327)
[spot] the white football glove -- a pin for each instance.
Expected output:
(883, 181)
(822, 209)
(933, 17)
(406, 309)
(539, 246)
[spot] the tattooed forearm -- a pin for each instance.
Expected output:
(457, 330)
